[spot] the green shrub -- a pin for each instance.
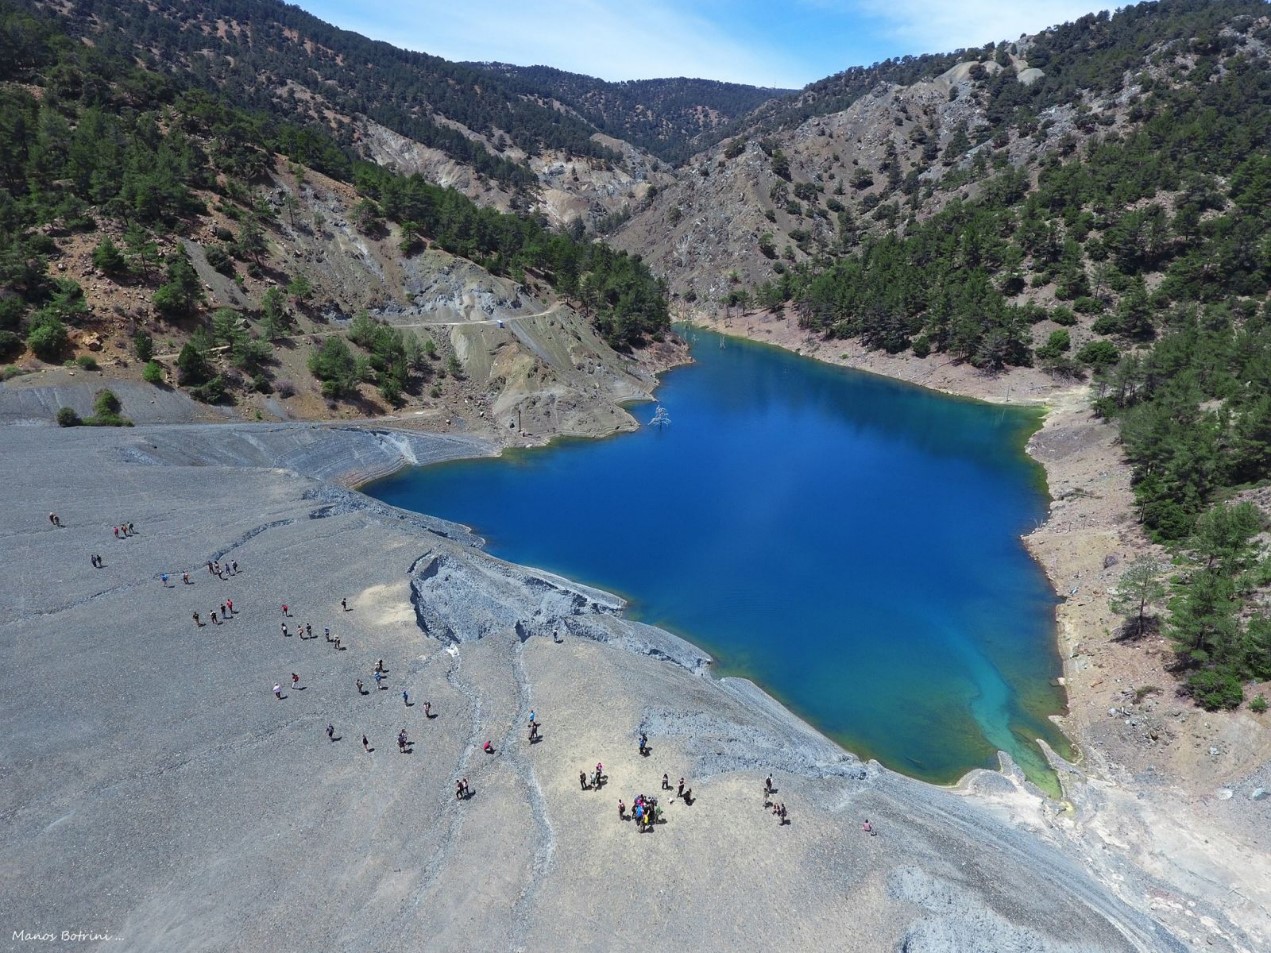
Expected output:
(144, 344)
(11, 310)
(212, 392)
(108, 259)
(47, 338)
(152, 373)
(220, 260)
(1259, 704)
(1063, 316)
(1099, 354)
(1058, 343)
(334, 365)
(1107, 324)
(10, 345)
(1214, 689)
(106, 403)
(87, 362)
(66, 417)
(193, 367)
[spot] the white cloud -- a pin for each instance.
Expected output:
(937, 26)
(783, 43)
(605, 38)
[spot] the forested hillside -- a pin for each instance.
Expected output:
(671, 118)
(275, 58)
(1158, 235)
(97, 150)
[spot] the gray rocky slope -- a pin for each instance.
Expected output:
(157, 791)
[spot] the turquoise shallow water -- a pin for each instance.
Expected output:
(848, 542)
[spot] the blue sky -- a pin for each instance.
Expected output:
(786, 43)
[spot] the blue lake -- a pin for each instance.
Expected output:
(848, 542)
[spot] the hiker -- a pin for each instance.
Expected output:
(215, 621)
(163, 578)
(582, 780)
(767, 785)
(427, 709)
(234, 568)
(360, 690)
(401, 741)
(622, 810)
(284, 629)
(278, 692)
(224, 611)
(869, 828)
(458, 790)
(309, 630)
(116, 529)
(679, 791)
(185, 578)
(344, 605)
(488, 748)
(405, 698)
(209, 567)
(379, 666)
(782, 819)
(130, 529)
(197, 623)
(53, 519)
(533, 731)
(336, 643)
(366, 745)
(379, 680)
(295, 680)
(326, 632)
(644, 743)
(666, 783)
(284, 609)
(230, 603)
(331, 732)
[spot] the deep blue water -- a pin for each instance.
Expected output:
(848, 542)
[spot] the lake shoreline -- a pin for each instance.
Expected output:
(1140, 759)
(1121, 829)
(156, 747)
